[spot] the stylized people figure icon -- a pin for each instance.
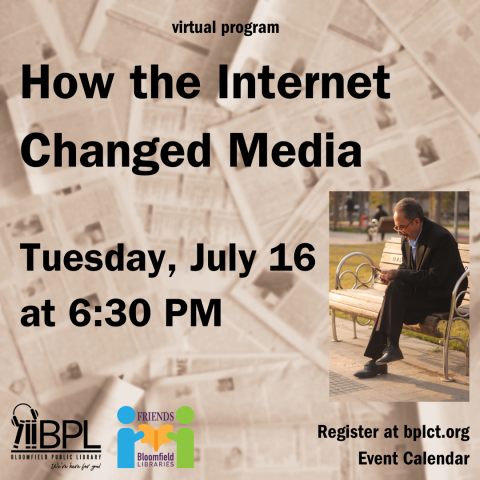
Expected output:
(126, 439)
(184, 438)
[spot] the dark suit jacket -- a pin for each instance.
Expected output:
(437, 266)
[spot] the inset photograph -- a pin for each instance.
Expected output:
(399, 296)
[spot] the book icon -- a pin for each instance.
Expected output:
(155, 437)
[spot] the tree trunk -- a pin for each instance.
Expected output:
(392, 203)
(436, 206)
(335, 210)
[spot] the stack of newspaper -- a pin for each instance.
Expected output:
(259, 383)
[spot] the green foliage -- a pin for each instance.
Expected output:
(376, 198)
(448, 201)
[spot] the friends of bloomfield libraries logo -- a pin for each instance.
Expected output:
(50, 440)
(127, 437)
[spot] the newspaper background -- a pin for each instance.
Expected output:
(430, 49)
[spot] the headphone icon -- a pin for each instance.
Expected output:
(15, 421)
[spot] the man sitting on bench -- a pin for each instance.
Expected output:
(422, 284)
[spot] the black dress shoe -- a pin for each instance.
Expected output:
(371, 369)
(390, 354)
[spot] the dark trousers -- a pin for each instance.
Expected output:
(402, 304)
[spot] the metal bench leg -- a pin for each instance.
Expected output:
(446, 342)
(467, 361)
(334, 327)
(354, 318)
(467, 350)
(445, 358)
(452, 318)
(445, 377)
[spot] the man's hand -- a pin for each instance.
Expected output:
(387, 275)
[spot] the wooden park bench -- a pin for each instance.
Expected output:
(365, 298)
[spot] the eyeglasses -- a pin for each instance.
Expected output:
(398, 229)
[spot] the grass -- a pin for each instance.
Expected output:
(374, 251)
(337, 252)
(460, 225)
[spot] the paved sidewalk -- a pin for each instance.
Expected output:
(344, 238)
(414, 379)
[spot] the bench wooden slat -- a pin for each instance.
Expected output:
(388, 266)
(396, 257)
(353, 310)
(391, 258)
(396, 249)
(347, 301)
(362, 294)
(392, 249)
(428, 327)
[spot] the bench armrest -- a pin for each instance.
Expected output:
(338, 276)
(455, 315)
(456, 294)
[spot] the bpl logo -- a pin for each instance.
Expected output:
(36, 433)
(126, 438)
(30, 425)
